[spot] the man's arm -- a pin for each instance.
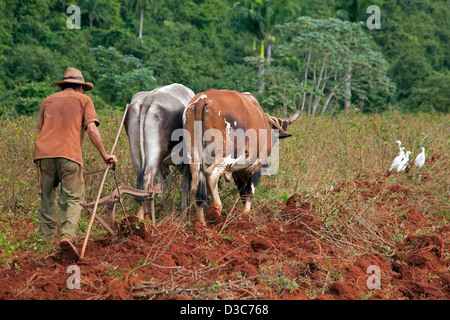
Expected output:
(96, 140)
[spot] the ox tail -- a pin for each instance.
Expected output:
(141, 174)
(202, 195)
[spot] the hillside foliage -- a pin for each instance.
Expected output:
(318, 56)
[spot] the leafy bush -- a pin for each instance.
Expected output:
(214, 43)
(118, 77)
(27, 98)
(432, 95)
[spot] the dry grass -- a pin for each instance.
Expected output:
(322, 154)
(340, 166)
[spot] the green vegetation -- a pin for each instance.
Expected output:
(315, 55)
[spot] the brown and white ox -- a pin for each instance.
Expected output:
(230, 133)
(152, 118)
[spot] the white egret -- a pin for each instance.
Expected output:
(404, 162)
(398, 160)
(399, 144)
(400, 148)
(396, 163)
(420, 159)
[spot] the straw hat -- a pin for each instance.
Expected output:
(73, 75)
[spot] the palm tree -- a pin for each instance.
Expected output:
(95, 10)
(260, 17)
(140, 6)
(351, 10)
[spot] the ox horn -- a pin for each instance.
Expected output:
(293, 118)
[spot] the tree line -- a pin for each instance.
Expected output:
(315, 56)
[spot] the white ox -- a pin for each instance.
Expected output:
(151, 119)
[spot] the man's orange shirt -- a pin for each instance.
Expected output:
(61, 124)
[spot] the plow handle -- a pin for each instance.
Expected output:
(108, 166)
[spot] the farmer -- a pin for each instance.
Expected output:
(63, 118)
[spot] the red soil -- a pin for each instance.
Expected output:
(256, 256)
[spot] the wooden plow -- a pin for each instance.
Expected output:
(111, 202)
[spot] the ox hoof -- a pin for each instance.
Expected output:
(213, 215)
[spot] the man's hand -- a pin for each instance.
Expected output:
(110, 158)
